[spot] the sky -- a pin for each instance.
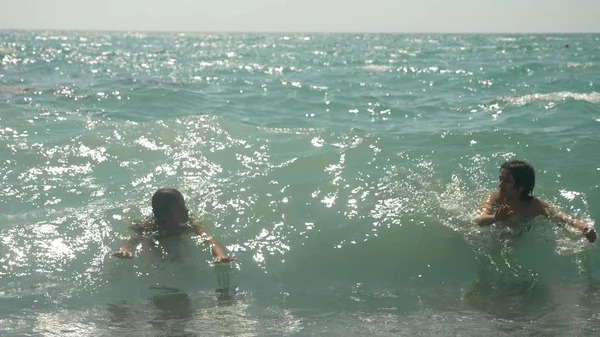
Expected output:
(393, 16)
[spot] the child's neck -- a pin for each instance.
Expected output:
(516, 201)
(166, 224)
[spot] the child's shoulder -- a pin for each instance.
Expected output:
(194, 222)
(539, 205)
(142, 225)
(493, 197)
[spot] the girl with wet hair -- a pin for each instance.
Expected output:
(514, 200)
(170, 217)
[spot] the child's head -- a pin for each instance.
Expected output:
(168, 207)
(517, 176)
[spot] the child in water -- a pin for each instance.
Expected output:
(170, 217)
(514, 200)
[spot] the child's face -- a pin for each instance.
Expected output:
(179, 213)
(506, 184)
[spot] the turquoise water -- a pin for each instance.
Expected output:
(340, 170)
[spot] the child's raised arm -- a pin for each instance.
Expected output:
(562, 218)
(215, 247)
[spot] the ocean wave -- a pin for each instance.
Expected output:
(377, 68)
(593, 97)
(344, 181)
(555, 38)
(506, 39)
(584, 65)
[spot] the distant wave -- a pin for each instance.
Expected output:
(593, 97)
(585, 65)
(506, 39)
(377, 68)
(555, 38)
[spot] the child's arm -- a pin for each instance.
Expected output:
(124, 251)
(550, 212)
(215, 248)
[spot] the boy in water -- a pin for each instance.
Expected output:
(170, 217)
(514, 200)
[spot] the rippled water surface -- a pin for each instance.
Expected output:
(340, 170)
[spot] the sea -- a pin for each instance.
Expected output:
(342, 171)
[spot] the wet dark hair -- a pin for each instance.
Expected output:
(523, 175)
(162, 202)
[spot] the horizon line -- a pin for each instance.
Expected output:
(288, 32)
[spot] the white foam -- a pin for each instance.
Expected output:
(506, 39)
(555, 38)
(377, 68)
(406, 52)
(593, 97)
(580, 65)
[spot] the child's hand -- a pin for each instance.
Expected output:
(503, 213)
(123, 254)
(223, 258)
(590, 234)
